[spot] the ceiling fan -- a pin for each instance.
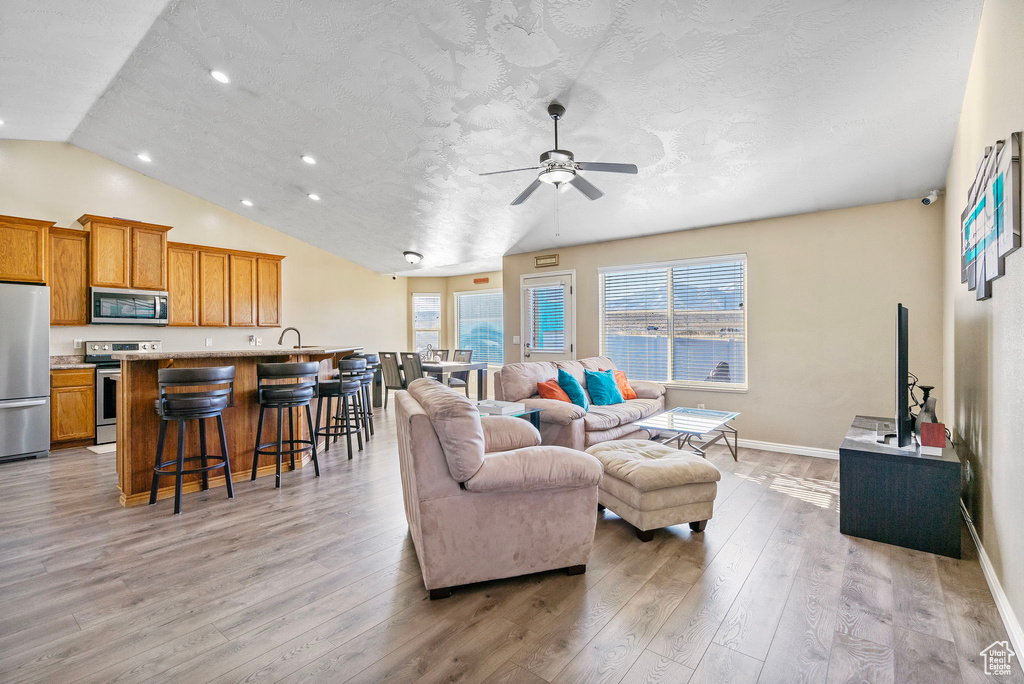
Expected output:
(559, 166)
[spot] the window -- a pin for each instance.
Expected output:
(479, 324)
(697, 304)
(545, 311)
(426, 320)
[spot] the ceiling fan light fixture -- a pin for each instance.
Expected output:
(556, 175)
(413, 257)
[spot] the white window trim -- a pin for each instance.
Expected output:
(440, 317)
(455, 302)
(694, 385)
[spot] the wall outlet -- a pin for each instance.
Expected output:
(259, 341)
(252, 340)
(700, 406)
(209, 341)
(515, 339)
(78, 344)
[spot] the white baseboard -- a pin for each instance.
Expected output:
(790, 449)
(1010, 621)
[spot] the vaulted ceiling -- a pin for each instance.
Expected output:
(733, 110)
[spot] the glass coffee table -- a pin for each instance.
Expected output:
(530, 414)
(688, 427)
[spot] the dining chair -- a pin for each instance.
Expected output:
(443, 353)
(411, 366)
(461, 378)
(391, 373)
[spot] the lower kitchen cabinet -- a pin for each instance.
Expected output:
(72, 406)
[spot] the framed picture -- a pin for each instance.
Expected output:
(545, 260)
(990, 224)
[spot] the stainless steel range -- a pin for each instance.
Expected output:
(106, 389)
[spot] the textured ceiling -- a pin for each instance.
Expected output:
(732, 110)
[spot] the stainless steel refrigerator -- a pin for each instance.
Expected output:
(24, 371)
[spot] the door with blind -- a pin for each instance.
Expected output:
(549, 322)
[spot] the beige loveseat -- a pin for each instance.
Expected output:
(568, 425)
(483, 499)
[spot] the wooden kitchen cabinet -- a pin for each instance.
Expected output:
(72, 405)
(149, 258)
(23, 244)
(69, 276)
(213, 289)
(243, 290)
(268, 303)
(127, 254)
(182, 285)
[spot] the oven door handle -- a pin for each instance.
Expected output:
(107, 371)
(21, 403)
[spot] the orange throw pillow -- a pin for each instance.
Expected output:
(551, 390)
(620, 380)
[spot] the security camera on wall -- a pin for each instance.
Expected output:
(930, 197)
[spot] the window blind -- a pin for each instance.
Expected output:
(479, 325)
(683, 322)
(545, 308)
(426, 320)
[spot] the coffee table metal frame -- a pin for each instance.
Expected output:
(687, 427)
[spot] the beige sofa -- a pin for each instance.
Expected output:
(568, 425)
(483, 499)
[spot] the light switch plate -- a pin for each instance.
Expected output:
(78, 344)
(209, 341)
(700, 406)
(515, 339)
(259, 341)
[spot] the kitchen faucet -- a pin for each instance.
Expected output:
(280, 340)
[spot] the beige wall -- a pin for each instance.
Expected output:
(331, 300)
(821, 295)
(447, 287)
(984, 341)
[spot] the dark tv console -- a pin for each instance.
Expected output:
(898, 496)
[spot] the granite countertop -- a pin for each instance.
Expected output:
(69, 362)
(232, 353)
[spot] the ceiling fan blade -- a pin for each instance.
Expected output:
(494, 173)
(526, 193)
(586, 187)
(607, 167)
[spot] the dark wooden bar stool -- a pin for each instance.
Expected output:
(372, 364)
(345, 389)
(274, 394)
(194, 405)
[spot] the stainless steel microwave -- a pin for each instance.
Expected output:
(133, 307)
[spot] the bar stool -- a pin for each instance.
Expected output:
(196, 405)
(372, 364)
(285, 396)
(345, 388)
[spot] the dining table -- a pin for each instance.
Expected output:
(438, 370)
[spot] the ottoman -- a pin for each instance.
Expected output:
(651, 485)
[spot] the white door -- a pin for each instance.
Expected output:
(549, 322)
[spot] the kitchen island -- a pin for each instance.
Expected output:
(138, 423)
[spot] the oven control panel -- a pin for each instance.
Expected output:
(101, 347)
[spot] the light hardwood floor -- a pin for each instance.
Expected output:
(318, 582)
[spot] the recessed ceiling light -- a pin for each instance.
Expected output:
(144, 157)
(309, 160)
(220, 76)
(314, 197)
(413, 257)
(247, 203)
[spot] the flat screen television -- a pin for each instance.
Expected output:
(904, 422)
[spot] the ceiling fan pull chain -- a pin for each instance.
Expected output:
(558, 229)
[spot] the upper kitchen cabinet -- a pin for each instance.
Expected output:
(213, 288)
(128, 254)
(23, 249)
(69, 276)
(182, 284)
(268, 270)
(243, 290)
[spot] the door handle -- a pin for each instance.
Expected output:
(526, 353)
(19, 403)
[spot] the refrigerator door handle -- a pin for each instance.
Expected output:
(19, 403)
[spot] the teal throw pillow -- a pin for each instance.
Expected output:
(603, 389)
(571, 386)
